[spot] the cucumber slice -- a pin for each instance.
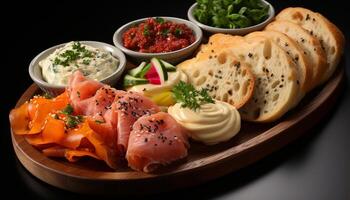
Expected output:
(136, 71)
(131, 81)
(144, 70)
(161, 71)
(169, 67)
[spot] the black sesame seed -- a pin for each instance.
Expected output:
(307, 17)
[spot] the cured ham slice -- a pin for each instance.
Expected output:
(156, 140)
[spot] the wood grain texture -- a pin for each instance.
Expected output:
(204, 163)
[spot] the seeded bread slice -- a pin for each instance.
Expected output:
(275, 90)
(225, 77)
(310, 45)
(304, 70)
(331, 38)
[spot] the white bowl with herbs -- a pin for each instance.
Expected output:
(236, 17)
(51, 69)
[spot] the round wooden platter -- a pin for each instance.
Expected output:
(203, 163)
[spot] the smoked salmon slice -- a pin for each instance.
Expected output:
(156, 140)
(130, 107)
(94, 120)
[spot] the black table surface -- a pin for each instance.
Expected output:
(313, 167)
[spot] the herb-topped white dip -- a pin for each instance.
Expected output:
(92, 62)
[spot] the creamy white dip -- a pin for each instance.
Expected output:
(92, 62)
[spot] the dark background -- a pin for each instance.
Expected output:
(313, 167)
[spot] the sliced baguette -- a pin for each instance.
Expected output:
(304, 70)
(225, 78)
(275, 88)
(331, 38)
(311, 47)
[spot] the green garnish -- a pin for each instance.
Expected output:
(47, 95)
(146, 31)
(86, 62)
(73, 121)
(99, 121)
(78, 51)
(178, 32)
(231, 13)
(160, 20)
(189, 97)
(68, 110)
(165, 32)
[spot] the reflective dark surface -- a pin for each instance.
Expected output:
(314, 167)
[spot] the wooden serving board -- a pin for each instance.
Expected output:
(204, 163)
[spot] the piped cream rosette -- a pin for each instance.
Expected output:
(211, 123)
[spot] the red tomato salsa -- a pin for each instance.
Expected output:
(156, 35)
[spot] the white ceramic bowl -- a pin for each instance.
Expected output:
(173, 57)
(35, 71)
(235, 31)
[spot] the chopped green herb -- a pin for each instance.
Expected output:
(99, 121)
(78, 51)
(68, 110)
(165, 32)
(73, 121)
(146, 31)
(86, 62)
(189, 97)
(47, 95)
(160, 20)
(178, 32)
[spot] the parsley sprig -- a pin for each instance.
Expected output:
(189, 97)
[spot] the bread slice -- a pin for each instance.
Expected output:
(275, 87)
(219, 40)
(310, 44)
(304, 69)
(331, 38)
(225, 78)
